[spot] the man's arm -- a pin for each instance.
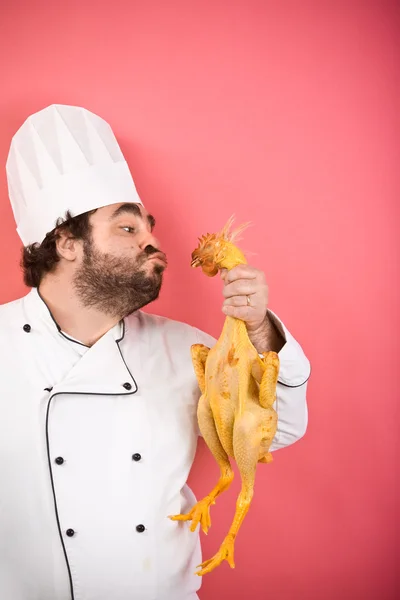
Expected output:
(266, 337)
(291, 389)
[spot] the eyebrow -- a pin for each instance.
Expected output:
(135, 210)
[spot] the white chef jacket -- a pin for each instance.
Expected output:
(96, 445)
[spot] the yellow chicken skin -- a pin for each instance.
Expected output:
(238, 389)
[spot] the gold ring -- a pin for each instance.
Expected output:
(248, 300)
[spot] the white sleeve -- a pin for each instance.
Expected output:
(291, 399)
(291, 391)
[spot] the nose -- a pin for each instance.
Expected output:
(148, 239)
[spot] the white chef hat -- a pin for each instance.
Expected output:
(64, 158)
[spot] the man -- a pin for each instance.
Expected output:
(98, 425)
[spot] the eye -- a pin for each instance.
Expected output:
(129, 229)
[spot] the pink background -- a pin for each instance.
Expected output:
(286, 114)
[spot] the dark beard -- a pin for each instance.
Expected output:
(114, 285)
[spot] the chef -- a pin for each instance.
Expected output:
(98, 426)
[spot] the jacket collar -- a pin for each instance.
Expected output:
(101, 369)
(37, 309)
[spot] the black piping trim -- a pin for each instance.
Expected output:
(298, 385)
(48, 449)
(55, 500)
(120, 340)
(71, 339)
(59, 328)
(272, 320)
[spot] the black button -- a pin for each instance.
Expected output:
(27, 328)
(59, 460)
(136, 456)
(140, 528)
(127, 386)
(70, 532)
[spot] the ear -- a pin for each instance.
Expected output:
(68, 247)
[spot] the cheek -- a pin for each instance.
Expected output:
(121, 246)
(114, 241)
(100, 241)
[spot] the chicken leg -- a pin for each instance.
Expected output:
(253, 433)
(246, 442)
(200, 513)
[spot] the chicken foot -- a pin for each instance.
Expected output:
(247, 437)
(200, 513)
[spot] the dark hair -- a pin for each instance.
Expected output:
(39, 259)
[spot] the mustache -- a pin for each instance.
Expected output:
(149, 251)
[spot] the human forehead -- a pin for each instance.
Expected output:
(127, 212)
(119, 208)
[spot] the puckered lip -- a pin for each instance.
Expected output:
(160, 256)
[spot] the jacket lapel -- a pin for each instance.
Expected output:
(100, 370)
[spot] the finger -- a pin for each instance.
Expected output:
(239, 312)
(242, 272)
(242, 287)
(237, 301)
